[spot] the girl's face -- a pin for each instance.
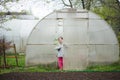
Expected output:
(60, 40)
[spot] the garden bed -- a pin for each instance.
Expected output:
(61, 76)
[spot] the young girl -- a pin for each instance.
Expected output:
(59, 49)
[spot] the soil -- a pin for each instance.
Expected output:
(61, 76)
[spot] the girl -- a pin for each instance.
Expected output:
(60, 54)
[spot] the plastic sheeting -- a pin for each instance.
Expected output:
(89, 39)
(20, 30)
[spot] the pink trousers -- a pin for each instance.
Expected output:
(60, 63)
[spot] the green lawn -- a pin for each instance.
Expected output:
(111, 67)
(21, 66)
(50, 68)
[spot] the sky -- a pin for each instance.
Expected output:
(38, 8)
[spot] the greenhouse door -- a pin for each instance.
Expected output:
(75, 35)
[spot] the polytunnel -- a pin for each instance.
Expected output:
(20, 30)
(89, 40)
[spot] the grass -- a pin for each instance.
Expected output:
(101, 68)
(21, 67)
(50, 68)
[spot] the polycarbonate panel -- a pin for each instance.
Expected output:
(72, 15)
(47, 22)
(116, 52)
(40, 54)
(110, 37)
(97, 25)
(102, 37)
(81, 15)
(92, 53)
(44, 35)
(93, 15)
(105, 53)
(75, 57)
(75, 32)
(75, 23)
(97, 37)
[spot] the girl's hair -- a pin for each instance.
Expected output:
(61, 37)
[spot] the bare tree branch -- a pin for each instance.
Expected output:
(88, 4)
(71, 4)
(65, 3)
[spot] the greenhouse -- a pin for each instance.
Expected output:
(89, 40)
(18, 33)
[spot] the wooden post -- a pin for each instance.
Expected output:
(4, 55)
(15, 54)
(0, 60)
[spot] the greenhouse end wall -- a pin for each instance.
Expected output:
(89, 39)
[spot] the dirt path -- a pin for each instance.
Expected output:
(61, 76)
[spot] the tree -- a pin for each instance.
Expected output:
(109, 10)
(85, 4)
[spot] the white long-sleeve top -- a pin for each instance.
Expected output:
(60, 50)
